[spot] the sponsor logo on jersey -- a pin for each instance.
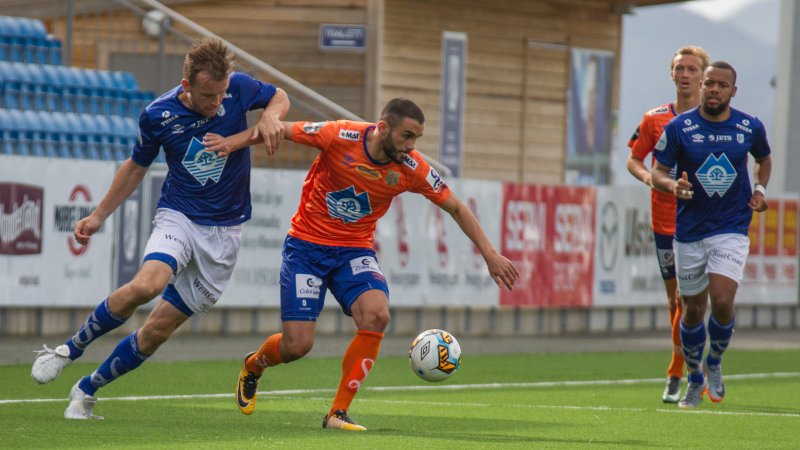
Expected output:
(307, 286)
(690, 128)
(368, 172)
(687, 122)
(392, 178)
(168, 118)
(228, 95)
(347, 160)
(716, 175)
(744, 126)
(698, 138)
(347, 205)
(350, 135)
(410, 162)
(660, 110)
(434, 179)
(312, 127)
(720, 138)
(201, 164)
(177, 129)
(364, 264)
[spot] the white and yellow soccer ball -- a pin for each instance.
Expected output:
(434, 355)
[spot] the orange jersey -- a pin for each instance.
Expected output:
(346, 191)
(663, 206)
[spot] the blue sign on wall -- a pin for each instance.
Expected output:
(454, 71)
(342, 37)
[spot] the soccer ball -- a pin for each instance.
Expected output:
(434, 355)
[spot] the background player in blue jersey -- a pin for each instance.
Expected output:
(204, 200)
(710, 145)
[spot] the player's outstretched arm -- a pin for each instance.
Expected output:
(269, 128)
(761, 173)
(639, 171)
(502, 270)
(225, 145)
(125, 182)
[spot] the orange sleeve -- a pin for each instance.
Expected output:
(428, 182)
(644, 143)
(314, 134)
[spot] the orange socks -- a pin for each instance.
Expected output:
(675, 368)
(356, 364)
(268, 355)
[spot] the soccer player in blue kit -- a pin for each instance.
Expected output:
(197, 228)
(710, 145)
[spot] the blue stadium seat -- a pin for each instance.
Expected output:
(34, 133)
(53, 50)
(93, 140)
(76, 136)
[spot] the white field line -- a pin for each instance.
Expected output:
(543, 384)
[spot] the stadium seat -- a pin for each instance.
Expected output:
(76, 136)
(33, 132)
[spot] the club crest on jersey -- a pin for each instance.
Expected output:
(392, 178)
(410, 162)
(201, 164)
(350, 135)
(740, 138)
(312, 127)
(347, 205)
(716, 175)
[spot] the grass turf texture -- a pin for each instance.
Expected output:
(756, 413)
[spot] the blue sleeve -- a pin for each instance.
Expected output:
(760, 148)
(254, 93)
(666, 150)
(146, 149)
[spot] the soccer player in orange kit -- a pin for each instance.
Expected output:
(686, 71)
(361, 167)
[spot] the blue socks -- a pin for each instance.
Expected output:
(99, 322)
(125, 357)
(693, 341)
(720, 337)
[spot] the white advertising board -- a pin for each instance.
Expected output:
(40, 201)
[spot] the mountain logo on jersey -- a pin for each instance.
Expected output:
(716, 175)
(347, 205)
(201, 164)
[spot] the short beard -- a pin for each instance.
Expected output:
(390, 151)
(715, 111)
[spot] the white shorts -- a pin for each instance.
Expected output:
(723, 254)
(202, 258)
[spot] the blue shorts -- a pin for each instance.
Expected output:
(309, 270)
(666, 255)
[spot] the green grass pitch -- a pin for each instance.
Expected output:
(602, 400)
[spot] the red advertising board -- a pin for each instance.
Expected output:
(548, 232)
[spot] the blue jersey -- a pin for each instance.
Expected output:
(208, 189)
(714, 155)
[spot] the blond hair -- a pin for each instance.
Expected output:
(692, 50)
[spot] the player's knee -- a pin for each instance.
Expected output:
(143, 290)
(295, 349)
(376, 320)
(150, 338)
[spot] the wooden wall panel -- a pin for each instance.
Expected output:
(516, 103)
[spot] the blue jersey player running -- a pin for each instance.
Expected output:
(204, 200)
(710, 145)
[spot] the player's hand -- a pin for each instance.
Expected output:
(758, 202)
(270, 129)
(683, 188)
(502, 270)
(223, 146)
(85, 228)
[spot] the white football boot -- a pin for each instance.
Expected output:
(49, 363)
(80, 404)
